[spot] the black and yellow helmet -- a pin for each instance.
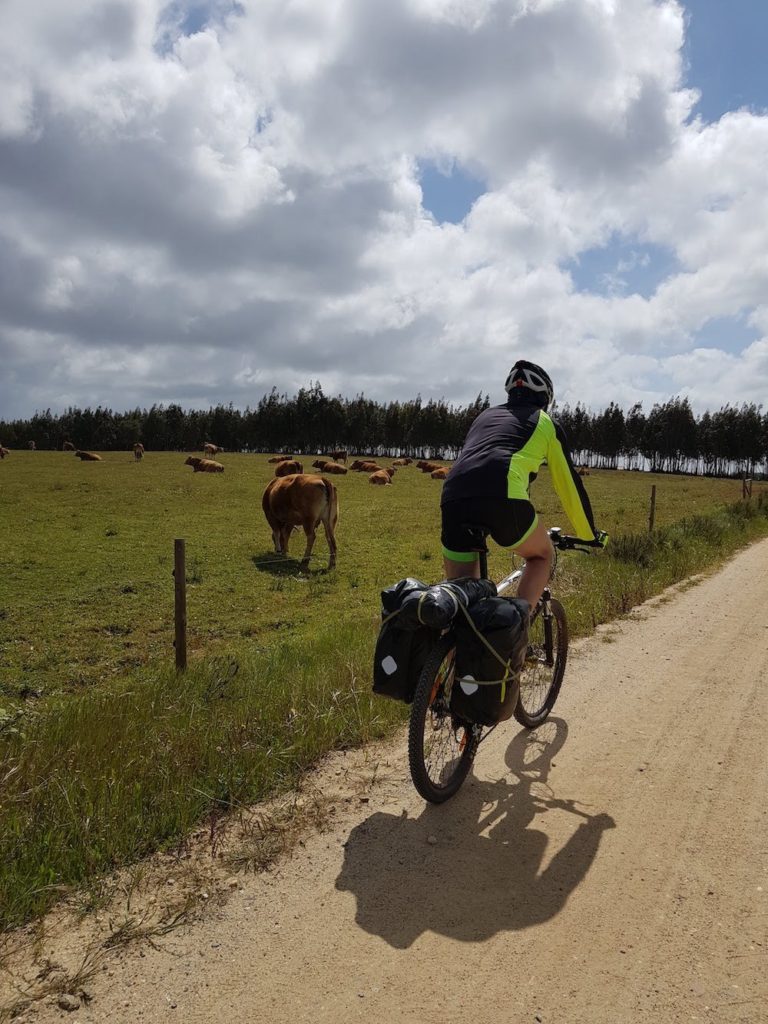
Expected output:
(535, 381)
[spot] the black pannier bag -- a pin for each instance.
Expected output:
(402, 645)
(486, 682)
(399, 658)
(412, 615)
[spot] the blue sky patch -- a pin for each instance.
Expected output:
(448, 196)
(184, 18)
(730, 333)
(623, 267)
(725, 44)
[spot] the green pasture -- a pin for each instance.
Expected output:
(107, 754)
(86, 591)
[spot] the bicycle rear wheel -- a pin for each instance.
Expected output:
(542, 676)
(440, 748)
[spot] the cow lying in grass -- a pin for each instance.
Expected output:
(204, 465)
(380, 477)
(88, 456)
(288, 467)
(301, 500)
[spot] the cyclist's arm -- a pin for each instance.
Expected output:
(567, 482)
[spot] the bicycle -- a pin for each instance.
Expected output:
(441, 746)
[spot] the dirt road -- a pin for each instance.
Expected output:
(612, 867)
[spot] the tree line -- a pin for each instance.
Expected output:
(669, 438)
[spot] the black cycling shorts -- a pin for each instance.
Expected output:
(509, 522)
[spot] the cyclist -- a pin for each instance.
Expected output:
(488, 484)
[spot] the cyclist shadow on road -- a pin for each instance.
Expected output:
(486, 873)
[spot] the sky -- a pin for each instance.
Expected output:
(200, 201)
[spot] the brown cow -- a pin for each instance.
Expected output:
(380, 477)
(203, 465)
(88, 456)
(439, 474)
(280, 458)
(334, 467)
(68, 447)
(355, 467)
(320, 463)
(429, 467)
(287, 468)
(338, 456)
(369, 467)
(402, 462)
(138, 451)
(305, 500)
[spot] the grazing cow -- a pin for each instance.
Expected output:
(289, 467)
(380, 477)
(439, 474)
(338, 456)
(280, 458)
(211, 449)
(305, 500)
(32, 446)
(3, 452)
(320, 463)
(68, 447)
(88, 456)
(138, 451)
(334, 467)
(203, 465)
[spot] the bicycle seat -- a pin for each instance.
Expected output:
(477, 534)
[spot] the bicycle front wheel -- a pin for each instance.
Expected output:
(440, 748)
(542, 676)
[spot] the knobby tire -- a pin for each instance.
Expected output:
(539, 683)
(431, 721)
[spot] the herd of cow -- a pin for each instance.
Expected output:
(296, 499)
(293, 499)
(381, 475)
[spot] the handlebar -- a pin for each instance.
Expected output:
(565, 543)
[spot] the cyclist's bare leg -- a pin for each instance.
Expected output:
(538, 553)
(453, 570)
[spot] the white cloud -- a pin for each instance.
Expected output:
(195, 218)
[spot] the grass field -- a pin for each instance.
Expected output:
(86, 591)
(107, 754)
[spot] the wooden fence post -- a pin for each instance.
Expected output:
(652, 515)
(180, 588)
(746, 485)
